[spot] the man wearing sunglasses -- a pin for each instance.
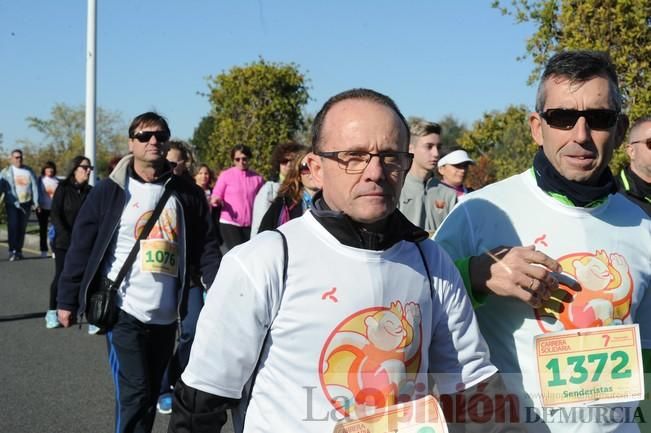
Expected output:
(367, 310)
(635, 179)
(556, 247)
(180, 252)
(20, 188)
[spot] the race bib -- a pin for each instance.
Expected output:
(592, 365)
(159, 256)
(418, 416)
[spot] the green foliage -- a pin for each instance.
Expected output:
(304, 134)
(451, 130)
(502, 141)
(620, 27)
(200, 140)
(260, 105)
(63, 135)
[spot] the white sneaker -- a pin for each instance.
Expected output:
(92, 329)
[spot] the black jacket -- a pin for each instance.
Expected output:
(635, 188)
(271, 218)
(67, 200)
(97, 224)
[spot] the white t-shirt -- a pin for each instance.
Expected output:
(351, 324)
(49, 185)
(606, 248)
(149, 290)
(23, 184)
(262, 203)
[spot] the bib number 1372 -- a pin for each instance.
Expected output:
(583, 366)
(618, 360)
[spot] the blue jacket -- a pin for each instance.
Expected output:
(97, 224)
(8, 186)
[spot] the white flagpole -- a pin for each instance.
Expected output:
(91, 74)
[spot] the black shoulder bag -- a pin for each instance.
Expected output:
(102, 309)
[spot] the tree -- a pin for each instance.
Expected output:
(501, 142)
(63, 135)
(259, 105)
(200, 140)
(451, 130)
(620, 27)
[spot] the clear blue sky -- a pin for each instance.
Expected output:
(433, 57)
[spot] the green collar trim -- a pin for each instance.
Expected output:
(627, 187)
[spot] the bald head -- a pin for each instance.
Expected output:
(637, 148)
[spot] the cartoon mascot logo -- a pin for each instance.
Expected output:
(371, 359)
(601, 297)
(165, 227)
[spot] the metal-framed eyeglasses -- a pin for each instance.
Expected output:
(355, 161)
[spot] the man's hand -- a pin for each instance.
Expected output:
(520, 272)
(66, 317)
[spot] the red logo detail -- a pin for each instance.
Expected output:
(606, 339)
(541, 240)
(330, 294)
(440, 204)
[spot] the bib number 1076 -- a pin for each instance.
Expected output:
(579, 373)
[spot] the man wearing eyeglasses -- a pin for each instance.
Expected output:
(369, 308)
(635, 179)
(180, 252)
(18, 183)
(556, 247)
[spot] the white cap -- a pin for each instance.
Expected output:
(455, 157)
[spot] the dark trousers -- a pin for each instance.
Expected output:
(43, 216)
(17, 225)
(59, 260)
(138, 354)
(181, 356)
(234, 235)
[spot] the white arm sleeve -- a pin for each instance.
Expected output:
(232, 326)
(459, 356)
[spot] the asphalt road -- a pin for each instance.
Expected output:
(53, 380)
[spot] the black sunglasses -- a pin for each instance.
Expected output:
(647, 141)
(86, 167)
(145, 136)
(599, 119)
(241, 158)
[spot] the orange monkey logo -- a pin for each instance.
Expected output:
(372, 358)
(603, 298)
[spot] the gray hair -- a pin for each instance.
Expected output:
(579, 67)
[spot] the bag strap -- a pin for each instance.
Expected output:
(143, 234)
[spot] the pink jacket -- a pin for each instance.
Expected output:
(237, 189)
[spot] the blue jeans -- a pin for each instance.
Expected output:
(17, 225)
(181, 356)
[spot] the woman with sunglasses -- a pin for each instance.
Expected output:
(294, 196)
(281, 160)
(67, 200)
(235, 191)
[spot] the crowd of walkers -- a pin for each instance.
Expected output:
(363, 273)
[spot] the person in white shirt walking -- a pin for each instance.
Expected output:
(556, 248)
(360, 311)
(20, 188)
